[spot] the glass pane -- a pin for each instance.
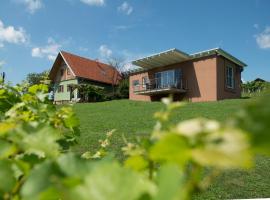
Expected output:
(158, 80)
(171, 77)
(164, 79)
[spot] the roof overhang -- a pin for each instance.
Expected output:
(218, 51)
(174, 56)
(165, 58)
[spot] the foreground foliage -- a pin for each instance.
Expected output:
(36, 163)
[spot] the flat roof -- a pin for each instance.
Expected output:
(169, 57)
(173, 56)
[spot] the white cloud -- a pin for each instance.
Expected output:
(125, 8)
(263, 39)
(10, 34)
(83, 49)
(2, 63)
(31, 5)
(49, 51)
(94, 2)
(104, 51)
(128, 58)
(256, 26)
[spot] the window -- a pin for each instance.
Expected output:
(60, 89)
(135, 84)
(68, 72)
(145, 81)
(229, 77)
(68, 88)
(168, 78)
(62, 72)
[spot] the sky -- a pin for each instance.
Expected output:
(32, 32)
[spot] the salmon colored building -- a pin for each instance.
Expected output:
(209, 75)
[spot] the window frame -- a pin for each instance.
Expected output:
(62, 72)
(145, 80)
(230, 82)
(68, 88)
(68, 72)
(165, 78)
(60, 89)
(135, 87)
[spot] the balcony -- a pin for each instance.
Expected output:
(160, 86)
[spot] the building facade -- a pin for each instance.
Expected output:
(205, 76)
(69, 71)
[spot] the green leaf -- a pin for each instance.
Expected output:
(137, 163)
(169, 180)
(171, 148)
(38, 88)
(50, 193)
(110, 181)
(6, 176)
(254, 118)
(231, 151)
(6, 149)
(40, 180)
(71, 121)
(43, 143)
(5, 127)
(74, 166)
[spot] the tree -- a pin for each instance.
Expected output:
(90, 93)
(37, 78)
(118, 65)
(123, 88)
(254, 86)
(3, 75)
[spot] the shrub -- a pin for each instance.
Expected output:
(123, 89)
(91, 93)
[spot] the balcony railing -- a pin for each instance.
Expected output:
(157, 85)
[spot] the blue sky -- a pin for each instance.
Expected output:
(33, 31)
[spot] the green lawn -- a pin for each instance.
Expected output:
(133, 119)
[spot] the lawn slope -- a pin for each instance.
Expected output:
(135, 119)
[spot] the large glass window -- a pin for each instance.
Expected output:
(170, 78)
(229, 77)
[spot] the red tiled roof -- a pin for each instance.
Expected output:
(90, 69)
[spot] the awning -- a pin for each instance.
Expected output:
(165, 58)
(174, 56)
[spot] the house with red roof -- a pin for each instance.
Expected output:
(70, 70)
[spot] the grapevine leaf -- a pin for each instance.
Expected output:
(169, 180)
(171, 148)
(6, 176)
(6, 149)
(39, 180)
(105, 180)
(43, 143)
(137, 163)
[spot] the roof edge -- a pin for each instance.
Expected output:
(220, 52)
(67, 63)
(163, 52)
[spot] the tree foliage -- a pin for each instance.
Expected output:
(37, 78)
(255, 86)
(91, 93)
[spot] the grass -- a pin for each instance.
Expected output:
(135, 119)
